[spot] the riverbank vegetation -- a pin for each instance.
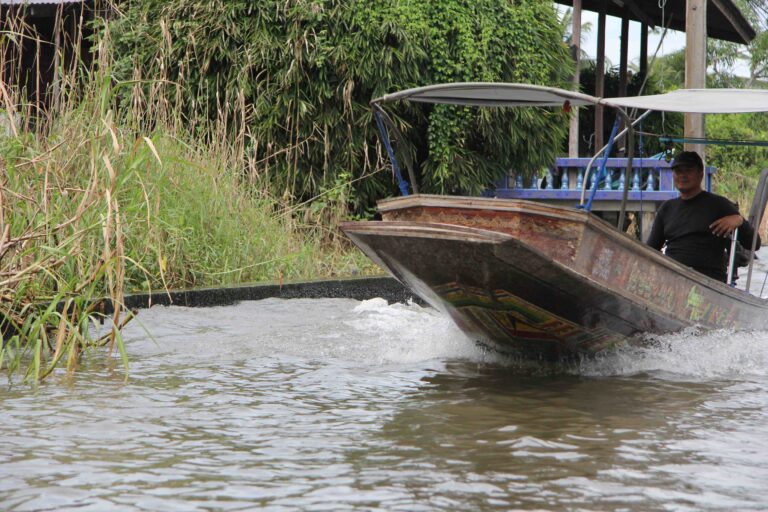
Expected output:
(92, 208)
(217, 143)
(292, 80)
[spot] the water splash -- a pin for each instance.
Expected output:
(407, 333)
(689, 353)
(374, 332)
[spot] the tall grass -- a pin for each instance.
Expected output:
(104, 190)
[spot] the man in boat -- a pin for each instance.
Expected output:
(696, 227)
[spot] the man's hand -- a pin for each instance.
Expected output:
(724, 226)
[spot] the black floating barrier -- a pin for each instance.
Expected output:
(351, 288)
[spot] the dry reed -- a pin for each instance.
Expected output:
(109, 187)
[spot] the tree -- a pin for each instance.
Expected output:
(722, 56)
(566, 26)
(293, 78)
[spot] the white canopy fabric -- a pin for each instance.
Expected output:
(488, 94)
(698, 101)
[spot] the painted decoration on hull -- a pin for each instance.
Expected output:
(504, 318)
(658, 286)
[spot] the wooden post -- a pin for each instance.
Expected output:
(623, 62)
(646, 223)
(695, 65)
(643, 52)
(600, 77)
(623, 59)
(573, 131)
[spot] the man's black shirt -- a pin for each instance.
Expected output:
(683, 224)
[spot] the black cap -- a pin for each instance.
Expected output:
(688, 159)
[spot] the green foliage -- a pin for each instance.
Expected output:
(292, 79)
(92, 209)
(519, 43)
(667, 72)
(741, 127)
(738, 167)
(756, 53)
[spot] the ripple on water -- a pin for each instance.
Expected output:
(339, 404)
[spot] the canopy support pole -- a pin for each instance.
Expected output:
(628, 171)
(732, 257)
(756, 211)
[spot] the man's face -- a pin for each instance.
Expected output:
(687, 178)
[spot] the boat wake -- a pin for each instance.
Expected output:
(690, 353)
(407, 333)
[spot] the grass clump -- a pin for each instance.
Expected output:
(91, 210)
(94, 205)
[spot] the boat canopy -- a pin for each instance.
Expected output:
(489, 94)
(698, 101)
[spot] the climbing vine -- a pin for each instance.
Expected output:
(290, 81)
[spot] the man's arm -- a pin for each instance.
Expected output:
(724, 226)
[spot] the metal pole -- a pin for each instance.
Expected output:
(732, 259)
(628, 170)
(598, 153)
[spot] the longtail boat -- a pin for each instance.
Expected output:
(551, 281)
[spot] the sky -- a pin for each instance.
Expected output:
(673, 41)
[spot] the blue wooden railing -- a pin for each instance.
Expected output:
(651, 180)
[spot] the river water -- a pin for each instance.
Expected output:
(336, 404)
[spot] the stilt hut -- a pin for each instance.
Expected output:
(42, 44)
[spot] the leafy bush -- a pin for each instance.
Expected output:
(292, 79)
(738, 166)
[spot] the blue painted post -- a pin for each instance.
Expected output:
(608, 185)
(650, 185)
(550, 178)
(518, 181)
(592, 178)
(534, 182)
(665, 181)
(636, 178)
(564, 179)
(580, 178)
(622, 179)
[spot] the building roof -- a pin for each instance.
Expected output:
(724, 20)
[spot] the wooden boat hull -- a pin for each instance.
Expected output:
(541, 280)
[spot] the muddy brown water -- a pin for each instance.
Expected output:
(336, 404)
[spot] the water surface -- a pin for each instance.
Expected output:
(337, 404)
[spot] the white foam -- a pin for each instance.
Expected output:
(375, 332)
(690, 353)
(406, 333)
